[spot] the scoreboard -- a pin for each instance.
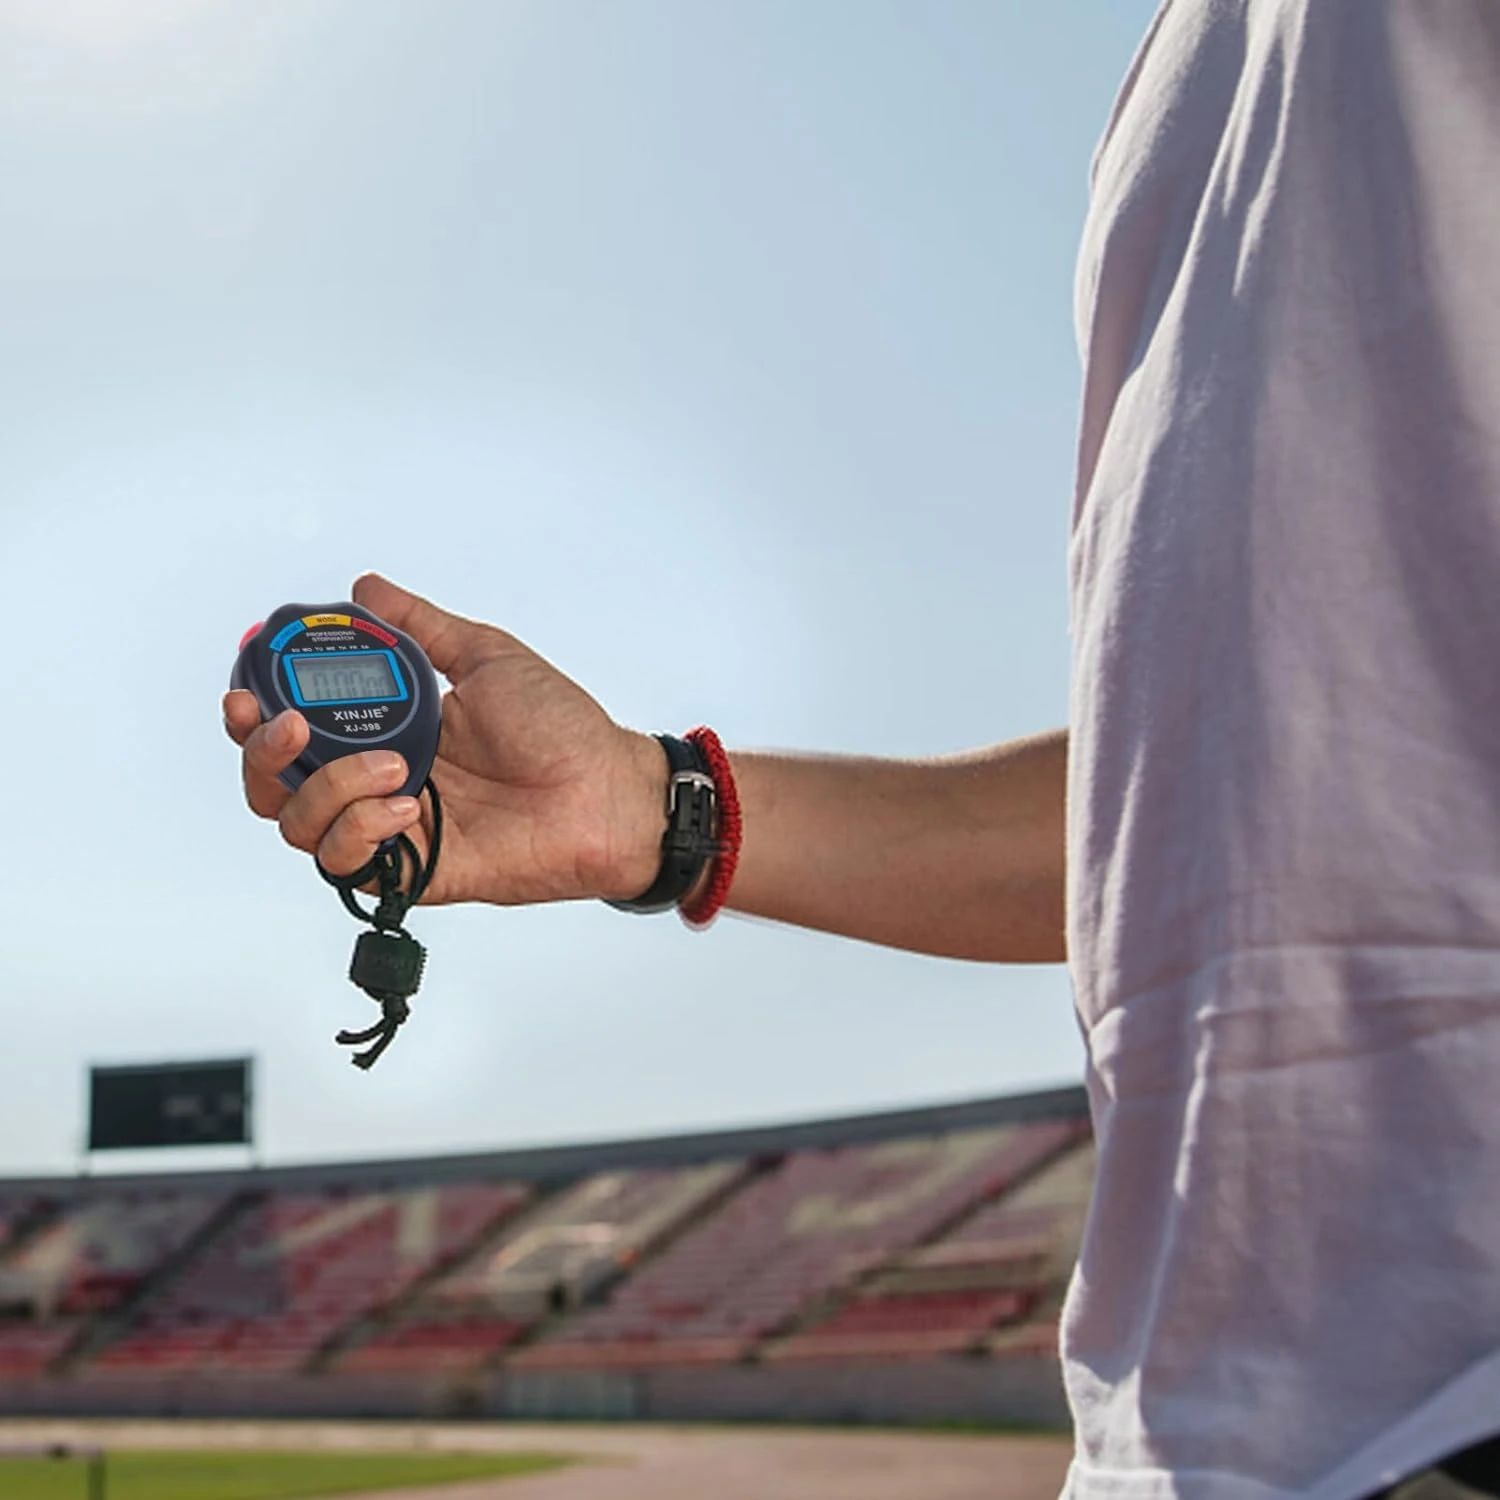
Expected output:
(170, 1104)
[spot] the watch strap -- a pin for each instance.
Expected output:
(691, 837)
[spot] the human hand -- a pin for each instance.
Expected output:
(545, 797)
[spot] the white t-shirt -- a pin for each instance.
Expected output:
(1284, 809)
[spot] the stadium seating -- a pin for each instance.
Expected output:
(297, 1267)
(28, 1348)
(1004, 1264)
(433, 1342)
(1036, 1336)
(548, 1261)
(92, 1256)
(540, 1283)
(1043, 1224)
(86, 1259)
(901, 1327)
(816, 1223)
(15, 1211)
(1034, 1231)
(1025, 1240)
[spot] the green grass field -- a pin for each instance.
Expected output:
(251, 1475)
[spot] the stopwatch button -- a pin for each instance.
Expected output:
(249, 633)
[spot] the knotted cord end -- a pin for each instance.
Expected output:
(394, 1014)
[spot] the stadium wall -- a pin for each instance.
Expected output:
(1024, 1390)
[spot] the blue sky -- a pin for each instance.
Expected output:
(723, 351)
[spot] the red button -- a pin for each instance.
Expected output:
(375, 630)
(249, 633)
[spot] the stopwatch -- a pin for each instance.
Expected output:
(360, 684)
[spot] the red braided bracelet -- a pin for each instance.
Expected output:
(711, 901)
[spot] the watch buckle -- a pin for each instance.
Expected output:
(680, 779)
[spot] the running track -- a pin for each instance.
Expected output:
(644, 1462)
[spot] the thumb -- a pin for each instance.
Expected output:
(453, 644)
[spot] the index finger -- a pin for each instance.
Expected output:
(269, 748)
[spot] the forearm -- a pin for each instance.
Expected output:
(960, 856)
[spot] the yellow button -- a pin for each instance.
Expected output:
(311, 620)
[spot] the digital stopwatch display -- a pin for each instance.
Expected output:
(345, 677)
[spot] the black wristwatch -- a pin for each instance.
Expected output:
(691, 839)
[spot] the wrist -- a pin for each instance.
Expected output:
(639, 809)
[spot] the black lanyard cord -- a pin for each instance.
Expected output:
(388, 868)
(388, 961)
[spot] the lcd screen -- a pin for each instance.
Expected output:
(346, 677)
